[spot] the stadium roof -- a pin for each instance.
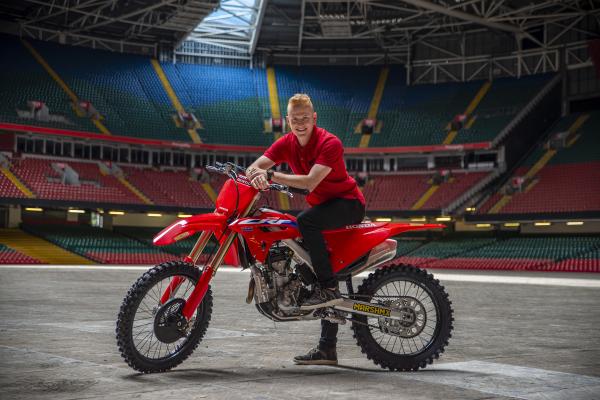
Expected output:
(389, 26)
(288, 28)
(110, 24)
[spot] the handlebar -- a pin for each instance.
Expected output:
(229, 169)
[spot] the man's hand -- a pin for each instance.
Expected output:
(258, 177)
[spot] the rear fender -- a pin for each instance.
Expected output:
(347, 244)
(186, 227)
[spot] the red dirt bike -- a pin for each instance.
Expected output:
(401, 316)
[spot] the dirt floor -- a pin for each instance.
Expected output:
(537, 337)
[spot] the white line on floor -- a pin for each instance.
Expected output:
(510, 380)
(519, 280)
(454, 277)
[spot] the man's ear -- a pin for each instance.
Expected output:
(315, 116)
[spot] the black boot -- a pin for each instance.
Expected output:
(317, 356)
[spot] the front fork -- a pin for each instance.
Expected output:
(197, 295)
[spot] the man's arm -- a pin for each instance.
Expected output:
(258, 176)
(261, 162)
(316, 174)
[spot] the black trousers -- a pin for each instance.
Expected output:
(332, 214)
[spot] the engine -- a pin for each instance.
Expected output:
(281, 284)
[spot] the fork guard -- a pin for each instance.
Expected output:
(186, 227)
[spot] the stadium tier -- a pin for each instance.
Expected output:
(506, 97)
(12, 256)
(564, 179)
(340, 106)
(104, 92)
(563, 253)
(100, 245)
(405, 192)
(181, 248)
(146, 185)
(169, 187)
(394, 191)
(46, 183)
(226, 99)
(23, 79)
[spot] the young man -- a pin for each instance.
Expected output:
(316, 158)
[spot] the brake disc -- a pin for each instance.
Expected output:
(169, 324)
(413, 314)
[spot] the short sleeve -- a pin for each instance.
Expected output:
(331, 152)
(277, 152)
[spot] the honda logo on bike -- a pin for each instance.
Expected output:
(357, 226)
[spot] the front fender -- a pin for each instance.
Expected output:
(185, 227)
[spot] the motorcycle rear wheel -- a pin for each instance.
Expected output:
(420, 338)
(143, 342)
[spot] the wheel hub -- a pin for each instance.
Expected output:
(413, 318)
(169, 324)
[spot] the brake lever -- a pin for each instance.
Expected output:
(281, 188)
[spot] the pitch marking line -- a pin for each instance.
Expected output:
(455, 277)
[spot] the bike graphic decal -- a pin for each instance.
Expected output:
(269, 221)
(372, 309)
(357, 226)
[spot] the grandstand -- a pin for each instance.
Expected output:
(99, 135)
(479, 116)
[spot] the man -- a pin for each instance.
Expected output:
(316, 158)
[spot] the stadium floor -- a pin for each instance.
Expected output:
(534, 338)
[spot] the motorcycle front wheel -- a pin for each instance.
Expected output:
(152, 335)
(422, 334)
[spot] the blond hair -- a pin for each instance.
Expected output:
(299, 100)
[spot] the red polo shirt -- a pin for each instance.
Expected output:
(323, 148)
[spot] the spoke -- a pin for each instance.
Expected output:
(152, 297)
(144, 341)
(387, 292)
(388, 342)
(146, 324)
(160, 288)
(147, 333)
(402, 346)
(189, 286)
(394, 345)
(418, 288)
(149, 307)
(425, 296)
(149, 343)
(160, 350)
(154, 346)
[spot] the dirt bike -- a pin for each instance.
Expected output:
(401, 316)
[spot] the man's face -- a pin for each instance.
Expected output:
(301, 120)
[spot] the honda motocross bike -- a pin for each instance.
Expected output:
(401, 316)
